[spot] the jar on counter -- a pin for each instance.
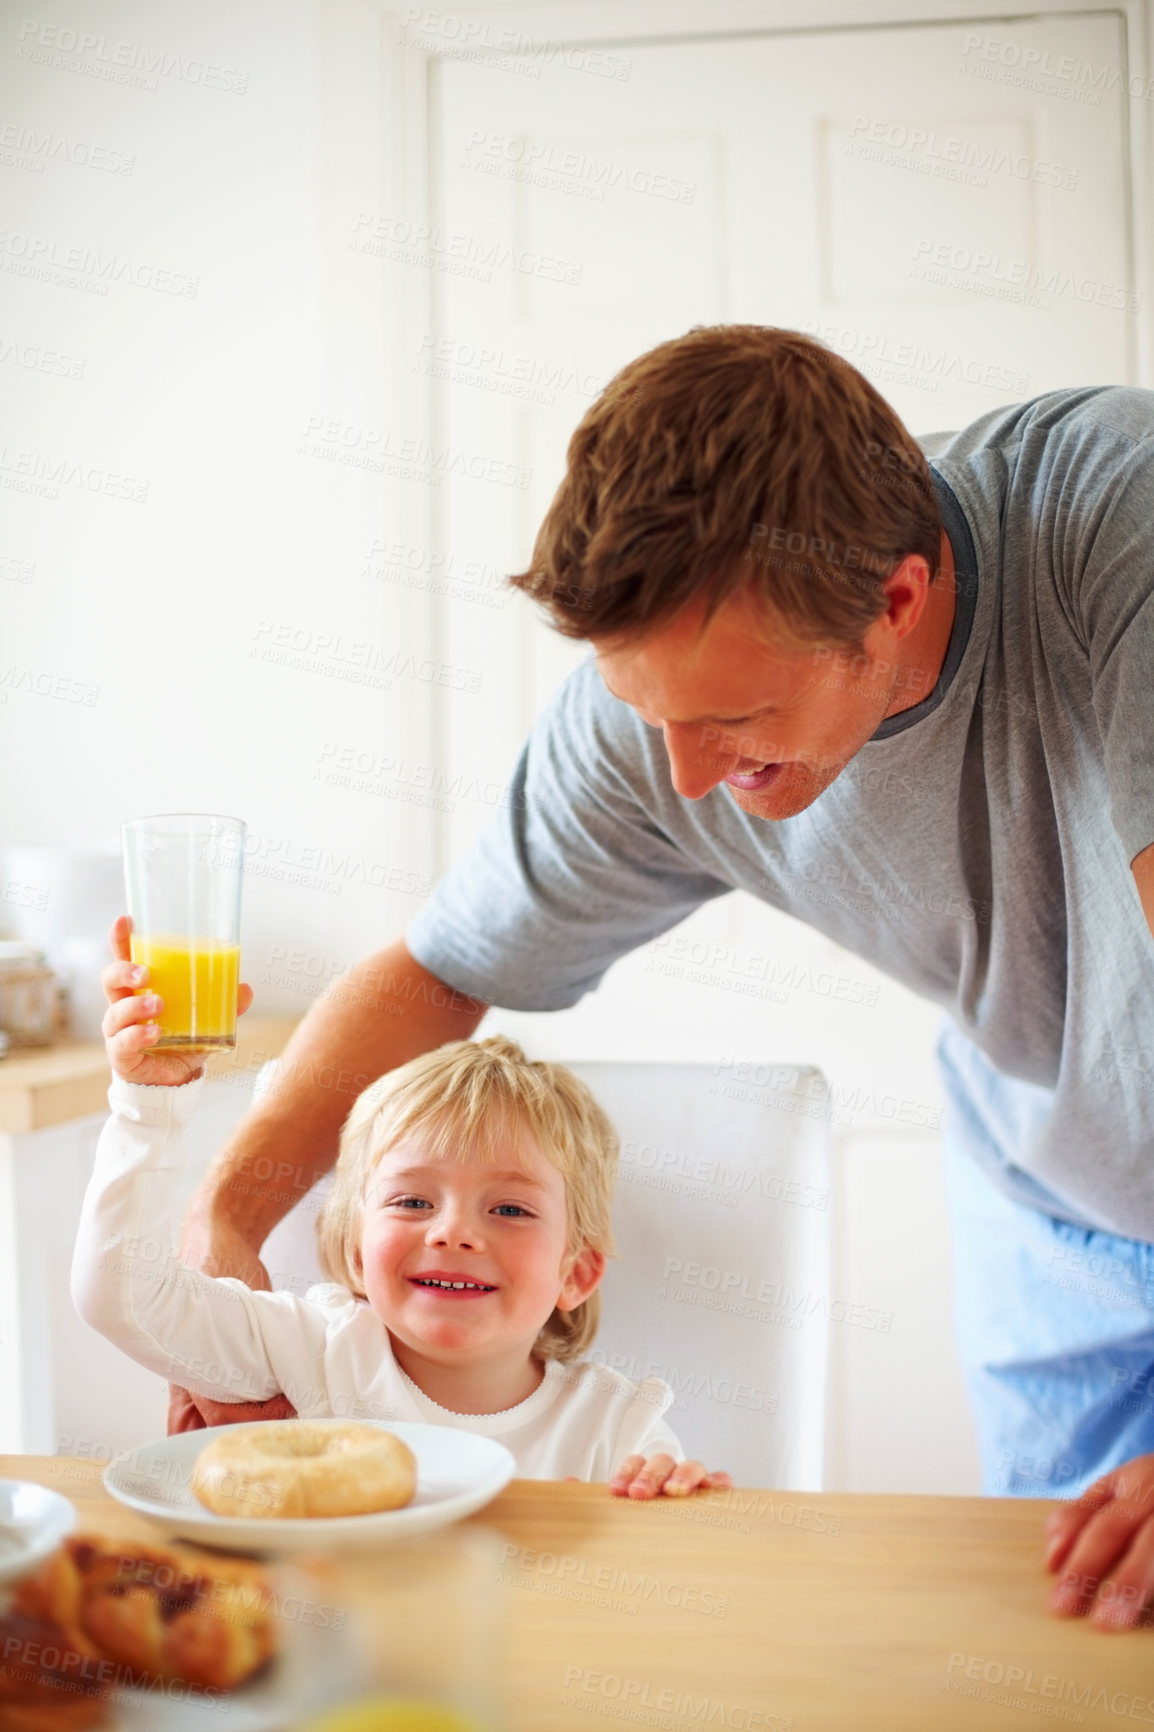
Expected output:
(29, 995)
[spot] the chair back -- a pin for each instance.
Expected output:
(721, 1282)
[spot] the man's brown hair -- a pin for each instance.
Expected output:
(734, 453)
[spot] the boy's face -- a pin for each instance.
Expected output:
(469, 1256)
(740, 704)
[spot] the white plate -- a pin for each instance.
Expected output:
(457, 1472)
(33, 1521)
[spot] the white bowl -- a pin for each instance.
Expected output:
(33, 1522)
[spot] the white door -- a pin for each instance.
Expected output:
(895, 192)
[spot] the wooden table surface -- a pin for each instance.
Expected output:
(765, 1610)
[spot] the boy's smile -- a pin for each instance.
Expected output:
(453, 1286)
(465, 1259)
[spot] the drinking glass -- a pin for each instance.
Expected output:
(429, 1622)
(182, 875)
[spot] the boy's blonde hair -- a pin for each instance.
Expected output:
(461, 1097)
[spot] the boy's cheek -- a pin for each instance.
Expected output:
(377, 1276)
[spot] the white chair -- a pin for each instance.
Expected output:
(721, 1286)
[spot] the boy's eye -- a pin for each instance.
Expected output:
(410, 1203)
(512, 1209)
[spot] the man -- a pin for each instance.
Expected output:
(909, 704)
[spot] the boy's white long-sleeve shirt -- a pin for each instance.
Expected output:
(328, 1352)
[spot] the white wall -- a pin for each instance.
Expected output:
(201, 328)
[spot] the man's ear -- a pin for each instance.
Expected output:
(582, 1278)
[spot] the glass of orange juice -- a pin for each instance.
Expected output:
(182, 873)
(428, 1630)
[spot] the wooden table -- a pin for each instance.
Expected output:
(766, 1610)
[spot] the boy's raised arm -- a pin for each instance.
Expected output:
(383, 1012)
(126, 1282)
(386, 1010)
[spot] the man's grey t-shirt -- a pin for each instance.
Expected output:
(977, 848)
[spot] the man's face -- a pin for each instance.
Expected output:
(742, 703)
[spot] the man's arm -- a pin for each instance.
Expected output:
(385, 1011)
(1143, 869)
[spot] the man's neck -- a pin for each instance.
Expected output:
(927, 645)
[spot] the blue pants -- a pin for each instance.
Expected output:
(1055, 1323)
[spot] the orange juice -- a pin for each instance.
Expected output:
(392, 1714)
(197, 979)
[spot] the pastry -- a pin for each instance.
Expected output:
(289, 1469)
(103, 1615)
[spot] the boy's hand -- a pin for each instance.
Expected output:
(661, 1475)
(1104, 1546)
(129, 1033)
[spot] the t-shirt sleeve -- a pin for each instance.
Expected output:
(575, 870)
(1109, 541)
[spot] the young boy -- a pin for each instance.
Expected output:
(466, 1232)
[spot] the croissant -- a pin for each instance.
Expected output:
(41, 1683)
(101, 1615)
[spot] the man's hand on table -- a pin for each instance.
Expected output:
(661, 1476)
(1104, 1546)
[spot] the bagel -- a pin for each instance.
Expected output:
(288, 1469)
